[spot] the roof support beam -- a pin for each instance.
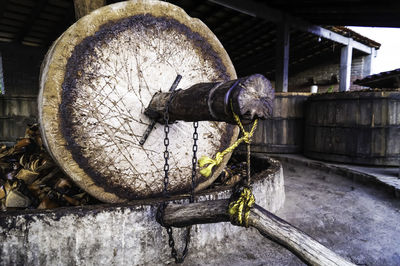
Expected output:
(32, 18)
(282, 57)
(345, 67)
(258, 9)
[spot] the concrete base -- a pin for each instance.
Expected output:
(385, 177)
(118, 235)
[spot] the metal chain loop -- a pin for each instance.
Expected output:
(166, 152)
(161, 208)
(194, 159)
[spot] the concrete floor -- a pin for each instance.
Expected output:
(386, 177)
(360, 222)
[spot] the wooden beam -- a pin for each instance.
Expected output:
(250, 97)
(333, 36)
(84, 7)
(270, 226)
(253, 33)
(258, 9)
(345, 67)
(282, 57)
(4, 5)
(29, 23)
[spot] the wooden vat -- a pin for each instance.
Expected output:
(361, 127)
(283, 132)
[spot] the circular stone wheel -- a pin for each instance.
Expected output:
(98, 78)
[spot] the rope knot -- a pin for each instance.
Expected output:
(242, 200)
(204, 160)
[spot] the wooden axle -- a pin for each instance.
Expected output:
(270, 226)
(250, 97)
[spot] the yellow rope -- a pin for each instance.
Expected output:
(239, 210)
(205, 160)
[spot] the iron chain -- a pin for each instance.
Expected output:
(166, 152)
(160, 212)
(194, 159)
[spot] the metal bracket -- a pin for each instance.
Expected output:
(153, 122)
(227, 104)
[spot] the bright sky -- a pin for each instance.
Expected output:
(388, 57)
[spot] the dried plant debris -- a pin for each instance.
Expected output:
(29, 178)
(233, 173)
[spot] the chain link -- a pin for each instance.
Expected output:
(194, 159)
(166, 152)
(160, 211)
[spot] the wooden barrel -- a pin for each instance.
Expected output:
(283, 132)
(361, 127)
(16, 112)
(98, 78)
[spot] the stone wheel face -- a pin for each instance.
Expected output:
(96, 82)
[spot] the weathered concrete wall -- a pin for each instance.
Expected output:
(115, 235)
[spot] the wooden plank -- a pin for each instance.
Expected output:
(14, 16)
(282, 57)
(31, 20)
(84, 7)
(345, 67)
(11, 22)
(251, 97)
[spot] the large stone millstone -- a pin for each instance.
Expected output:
(98, 78)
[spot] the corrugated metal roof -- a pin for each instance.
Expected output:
(387, 79)
(354, 35)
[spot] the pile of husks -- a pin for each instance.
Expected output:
(29, 178)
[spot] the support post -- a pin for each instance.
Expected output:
(282, 57)
(84, 7)
(345, 67)
(367, 62)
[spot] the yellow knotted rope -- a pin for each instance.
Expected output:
(239, 210)
(205, 160)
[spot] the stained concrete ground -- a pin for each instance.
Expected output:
(359, 221)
